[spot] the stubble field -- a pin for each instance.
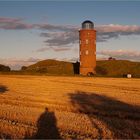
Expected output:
(69, 107)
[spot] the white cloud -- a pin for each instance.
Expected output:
(16, 63)
(58, 35)
(121, 54)
(67, 35)
(14, 24)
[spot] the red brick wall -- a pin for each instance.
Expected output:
(87, 42)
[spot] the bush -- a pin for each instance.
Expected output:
(23, 68)
(4, 68)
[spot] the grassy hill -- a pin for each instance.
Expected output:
(111, 68)
(118, 68)
(51, 67)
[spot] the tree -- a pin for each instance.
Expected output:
(23, 68)
(4, 68)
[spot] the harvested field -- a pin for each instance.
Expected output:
(69, 107)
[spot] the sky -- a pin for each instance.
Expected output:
(36, 30)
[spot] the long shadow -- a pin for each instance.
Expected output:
(46, 126)
(122, 119)
(3, 89)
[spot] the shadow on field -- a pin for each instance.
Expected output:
(123, 120)
(3, 89)
(47, 126)
(4, 136)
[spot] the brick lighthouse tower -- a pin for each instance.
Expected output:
(87, 36)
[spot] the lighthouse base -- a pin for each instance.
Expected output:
(87, 71)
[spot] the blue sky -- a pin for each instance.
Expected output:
(36, 30)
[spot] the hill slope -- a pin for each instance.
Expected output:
(113, 68)
(118, 68)
(52, 67)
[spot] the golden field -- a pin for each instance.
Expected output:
(69, 107)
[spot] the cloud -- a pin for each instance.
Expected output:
(9, 20)
(73, 59)
(105, 32)
(121, 54)
(61, 38)
(16, 64)
(62, 35)
(66, 35)
(56, 49)
(122, 29)
(52, 27)
(43, 49)
(14, 24)
(18, 23)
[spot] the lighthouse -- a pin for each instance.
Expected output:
(87, 43)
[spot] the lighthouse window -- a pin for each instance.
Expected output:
(87, 41)
(86, 52)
